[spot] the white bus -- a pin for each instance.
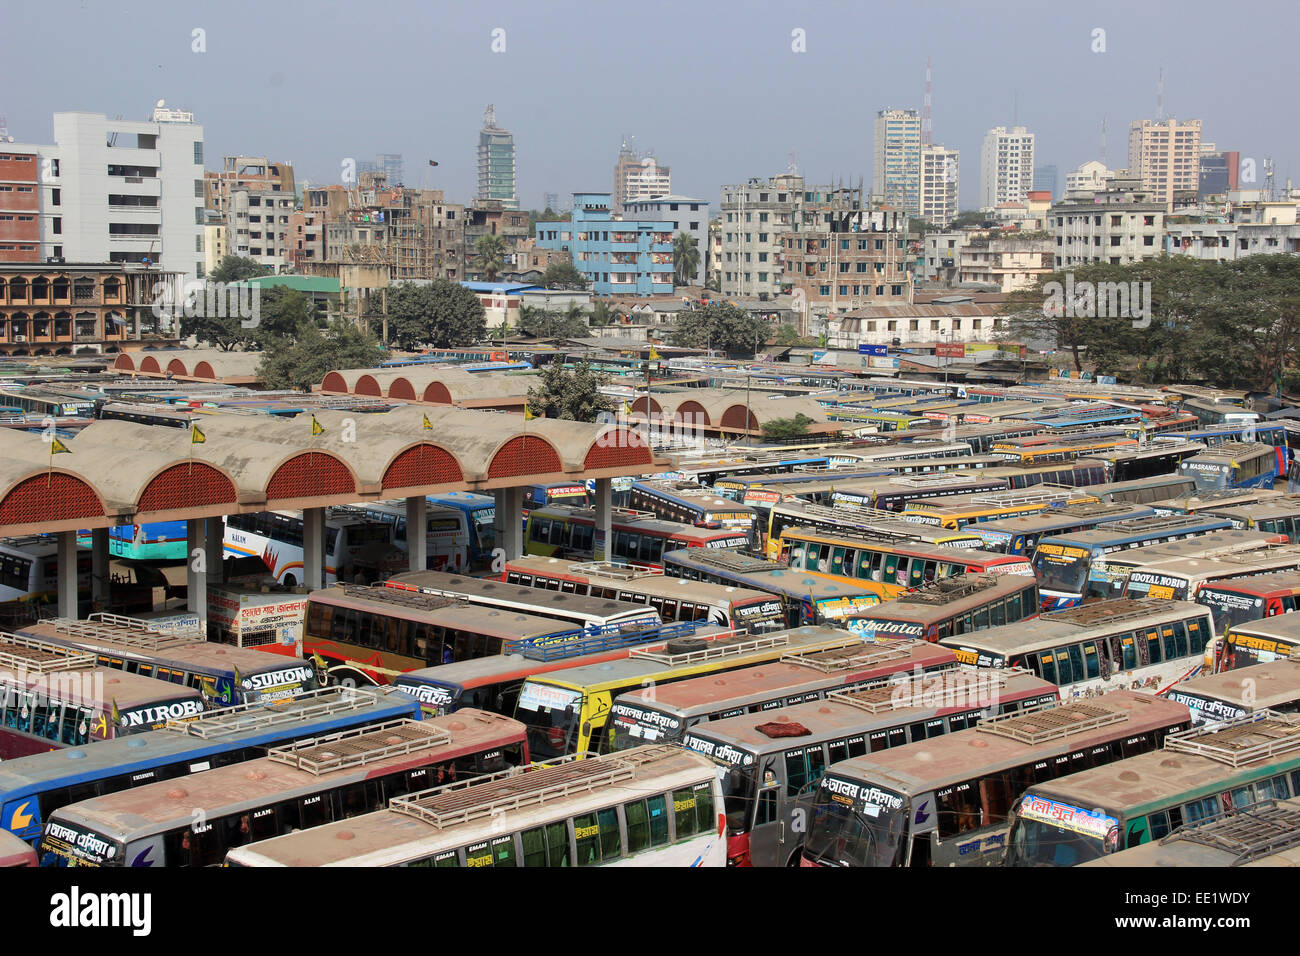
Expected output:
(650, 806)
(446, 532)
(29, 568)
(353, 545)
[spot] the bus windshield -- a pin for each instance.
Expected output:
(73, 845)
(1050, 833)
(1061, 568)
(632, 725)
(551, 715)
(855, 825)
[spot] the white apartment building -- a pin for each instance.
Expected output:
(687, 215)
(940, 179)
(1119, 225)
(1166, 156)
(115, 190)
(1091, 176)
(1006, 166)
(1006, 264)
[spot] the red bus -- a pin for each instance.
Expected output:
(1235, 601)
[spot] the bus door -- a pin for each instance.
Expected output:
(923, 833)
(768, 823)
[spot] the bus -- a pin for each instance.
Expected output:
(1273, 435)
(1096, 648)
(1149, 460)
(774, 762)
(906, 451)
(1218, 413)
(570, 494)
(31, 788)
(566, 711)
(893, 494)
(1214, 502)
(653, 806)
(1235, 601)
(946, 801)
(665, 714)
(369, 635)
(1020, 535)
(964, 510)
(1232, 465)
(1071, 567)
(1263, 834)
(153, 541)
(672, 598)
(1076, 473)
(592, 613)
(29, 569)
(805, 598)
(951, 606)
(693, 505)
(52, 697)
(636, 537)
(1214, 698)
(224, 675)
(852, 519)
(1280, 515)
(891, 564)
(353, 544)
(296, 786)
(1200, 773)
(739, 487)
(15, 852)
(1144, 491)
(447, 533)
(1060, 448)
(480, 513)
(1181, 579)
(1258, 642)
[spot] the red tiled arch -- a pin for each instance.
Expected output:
(51, 497)
(524, 455)
(423, 464)
(124, 362)
(204, 370)
(617, 448)
(402, 388)
(149, 364)
(310, 474)
(734, 417)
(639, 406)
(185, 486)
(334, 382)
(366, 385)
(437, 392)
(691, 411)
(177, 367)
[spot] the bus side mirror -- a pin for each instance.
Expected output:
(586, 728)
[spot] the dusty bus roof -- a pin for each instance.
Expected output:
(641, 580)
(496, 589)
(1224, 565)
(1265, 834)
(1267, 685)
(947, 596)
(444, 611)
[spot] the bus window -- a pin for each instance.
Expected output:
(890, 569)
(981, 619)
(587, 836)
(658, 807)
(539, 529)
(1046, 667)
(1092, 665)
(1196, 636)
(684, 811)
(611, 836)
(958, 810)
(816, 764)
(998, 610)
(1153, 647)
(1171, 644)
(796, 772)
(1064, 673)
(638, 826)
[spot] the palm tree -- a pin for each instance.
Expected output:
(491, 255)
(686, 257)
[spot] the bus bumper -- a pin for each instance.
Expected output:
(738, 850)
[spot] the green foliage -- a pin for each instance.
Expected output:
(571, 394)
(787, 334)
(225, 334)
(721, 326)
(441, 314)
(785, 429)
(491, 252)
(551, 324)
(282, 311)
(686, 258)
(564, 275)
(301, 360)
(601, 314)
(970, 217)
(237, 269)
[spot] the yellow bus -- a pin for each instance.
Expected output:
(961, 510)
(566, 710)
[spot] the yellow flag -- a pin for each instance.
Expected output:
(428, 425)
(316, 427)
(196, 435)
(528, 413)
(654, 356)
(627, 409)
(58, 448)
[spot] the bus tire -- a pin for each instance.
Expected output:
(685, 645)
(290, 581)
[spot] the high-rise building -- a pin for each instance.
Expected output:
(551, 201)
(1045, 179)
(638, 176)
(1006, 166)
(496, 162)
(1166, 156)
(896, 173)
(390, 164)
(940, 180)
(1219, 172)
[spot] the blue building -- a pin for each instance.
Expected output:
(617, 256)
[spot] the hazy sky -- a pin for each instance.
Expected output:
(713, 87)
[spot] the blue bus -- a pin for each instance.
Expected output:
(31, 788)
(1021, 535)
(1070, 566)
(480, 516)
(1234, 465)
(1272, 435)
(153, 541)
(572, 493)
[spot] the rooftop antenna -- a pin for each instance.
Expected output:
(490, 117)
(1160, 97)
(1015, 108)
(1103, 141)
(4, 130)
(793, 168)
(927, 122)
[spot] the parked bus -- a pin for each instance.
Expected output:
(1234, 601)
(1060, 448)
(1075, 473)
(480, 513)
(1232, 465)
(951, 606)
(1214, 698)
(296, 786)
(905, 451)
(693, 505)
(1148, 460)
(447, 533)
(1214, 502)
(353, 545)
(774, 763)
(1263, 834)
(31, 788)
(739, 487)
(1258, 642)
(945, 801)
(805, 598)
(1280, 515)
(893, 494)
(1139, 645)
(665, 714)
(29, 569)
(1198, 775)
(588, 612)
(653, 806)
(52, 697)
(1181, 579)
(1214, 412)
(566, 711)
(1144, 491)
(154, 541)
(964, 510)
(15, 852)
(852, 519)
(369, 635)
(1273, 435)
(1071, 567)
(636, 537)
(1020, 535)
(673, 599)
(568, 494)
(224, 675)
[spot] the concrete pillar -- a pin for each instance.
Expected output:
(313, 547)
(604, 538)
(99, 573)
(196, 571)
(214, 530)
(417, 540)
(67, 573)
(510, 525)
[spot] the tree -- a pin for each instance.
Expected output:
(786, 429)
(301, 360)
(550, 324)
(601, 314)
(686, 258)
(491, 256)
(970, 217)
(441, 314)
(787, 335)
(564, 275)
(237, 269)
(721, 326)
(570, 394)
(281, 311)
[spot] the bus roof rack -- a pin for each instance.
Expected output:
(1036, 725)
(1093, 509)
(361, 746)
(730, 560)
(406, 596)
(121, 630)
(594, 640)
(946, 590)
(852, 655)
(1241, 741)
(1116, 609)
(614, 569)
(23, 655)
(261, 715)
(729, 646)
(1259, 830)
(978, 688)
(938, 480)
(490, 794)
(1016, 496)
